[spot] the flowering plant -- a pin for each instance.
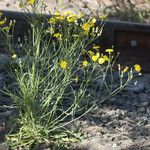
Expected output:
(56, 78)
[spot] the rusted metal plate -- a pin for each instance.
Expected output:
(134, 47)
(132, 40)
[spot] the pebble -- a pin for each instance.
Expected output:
(138, 88)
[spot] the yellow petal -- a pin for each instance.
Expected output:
(101, 60)
(137, 68)
(125, 69)
(14, 56)
(91, 53)
(63, 64)
(85, 63)
(98, 54)
(94, 58)
(106, 57)
(109, 50)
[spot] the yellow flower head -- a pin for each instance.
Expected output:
(57, 13)
(106, 58)
(101, 60)
(31, 2)
(109, 50)
(125, 69)
(96, 47)
(137, 68)
(119, 67)
(91, 53)
(52, 20)
(76, 79)
(86, 27)
(2, 22)
(52, 31)
(98, 54)
(58, 16)
(57, 35)
(5, 28)
(91, 23)
(95, 58)
(85, 63)
(14, 56)
(93, 20)
(72, 18)
(63, 64)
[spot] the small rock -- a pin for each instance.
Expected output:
(138, 88)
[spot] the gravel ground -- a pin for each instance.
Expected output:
(122, 123)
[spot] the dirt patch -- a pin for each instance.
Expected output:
(122, 123)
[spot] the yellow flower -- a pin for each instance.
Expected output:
(31, 2)
(91, 53)
(85, 63)
(137, 68)
(14, 56)
(57, 13)
(76, 79)
(57, 35)
(52, 31)
(2, 22)
(90, 23)
(93, 20)
(52, 20)
(95, 58)
(72, 18)
(101, 60)
(106, 58)
(119, 67)
(109, 50)
(58, 16)
(63, 64)
(86, 27)
(96, 47)
(98, 54)
(5, 28)
(125, 69)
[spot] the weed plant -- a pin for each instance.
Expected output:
(55, 76)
